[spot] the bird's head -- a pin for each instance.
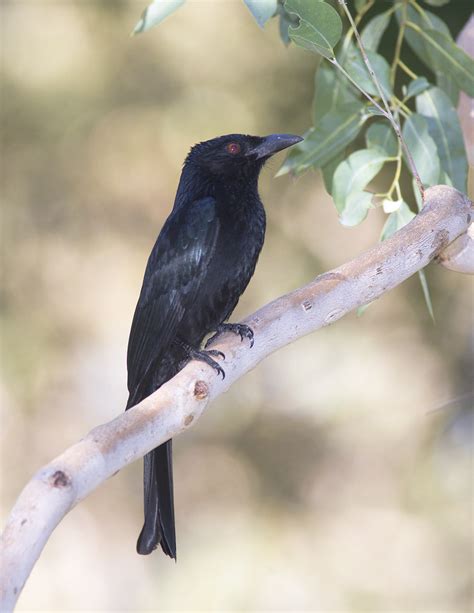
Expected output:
(238, 154)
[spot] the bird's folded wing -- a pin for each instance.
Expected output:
(175, 271)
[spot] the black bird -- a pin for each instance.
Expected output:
(200, 265)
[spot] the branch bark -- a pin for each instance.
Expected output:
(60, 485)
(459, 255)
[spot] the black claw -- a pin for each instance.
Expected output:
(246, 332)
(216, 366)
(211, 340)
(242, 330)
(205, 356)
(215, 353)
(202, 356)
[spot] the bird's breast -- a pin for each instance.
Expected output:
(229, 272)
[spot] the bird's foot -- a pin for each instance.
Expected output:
(241, 329)
(207, 356)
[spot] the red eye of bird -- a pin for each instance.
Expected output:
(233, 148)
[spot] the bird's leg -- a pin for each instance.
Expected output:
(203, 355)
(241, 329)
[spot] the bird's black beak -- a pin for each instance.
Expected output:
(272, 144)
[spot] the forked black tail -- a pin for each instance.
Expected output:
(159, 526)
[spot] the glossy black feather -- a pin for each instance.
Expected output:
(201, 263)
(176, 269)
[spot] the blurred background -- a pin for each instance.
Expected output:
(334, 477)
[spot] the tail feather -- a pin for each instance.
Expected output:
(159, 525)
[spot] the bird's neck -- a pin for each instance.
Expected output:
(234, 190)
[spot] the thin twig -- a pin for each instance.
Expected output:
(396, 178)
(335, 63)
(398, 46)
(402, 106)
(399, 192)
(405, 68)
(422, 13)
(404, 114)
(389, 113)
(350, 31)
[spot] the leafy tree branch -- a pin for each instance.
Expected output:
(363, 89)
(388, 112)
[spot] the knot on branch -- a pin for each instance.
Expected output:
(59, 479)
(201, 390)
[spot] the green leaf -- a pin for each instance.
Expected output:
(297, 154)
(426, 293)
(416, 87)
(329, 169)
(381, 136)
(332, 90)
(374, 30)
(320, 26)
(449, 58)
(422, 148)
(155, 13)
(445, 179)
(262, 10)
(397, 220)
(438, 51)
(428, 20)
(350, 179)
(285, 21)
(444, 127)
(449, 86)
(355, 173)
(373, 110)
(356, 67)
(347, 48)
(334, 132)
(437, 2)
(359, 4)
(356, 209)
(283, 26)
